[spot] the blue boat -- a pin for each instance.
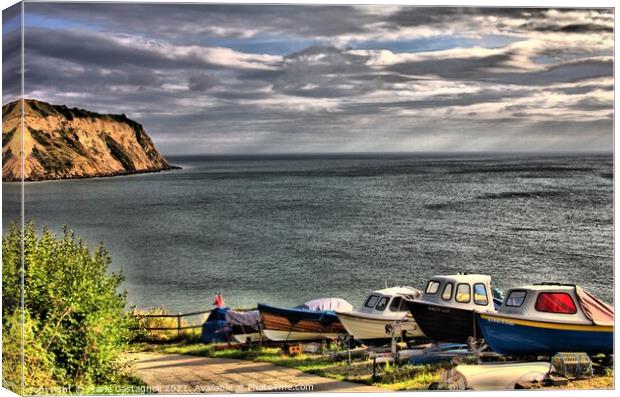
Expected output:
(545, 319)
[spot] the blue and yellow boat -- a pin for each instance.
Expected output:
(545, 319)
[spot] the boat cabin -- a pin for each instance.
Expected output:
(464, 291)
(390, 299)
(545, 302)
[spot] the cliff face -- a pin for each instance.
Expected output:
(61, 143)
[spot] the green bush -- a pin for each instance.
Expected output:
(76, 317)
(38, 363)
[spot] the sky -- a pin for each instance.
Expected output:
(212, 79)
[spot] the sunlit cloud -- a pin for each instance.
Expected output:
(237, 78)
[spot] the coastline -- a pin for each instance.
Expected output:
(107, 175)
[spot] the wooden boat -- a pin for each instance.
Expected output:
(545, 319)
(446, 311)
(314, 320)
(382, 314)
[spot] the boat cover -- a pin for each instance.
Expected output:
(249, 318)
(325, 304)
(595, 309)
(218, 314)
(221, 321)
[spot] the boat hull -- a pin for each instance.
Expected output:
(370, 329)
(519, 337)
(444, 323)
(292, 336)
(295, 324)
(245, 338)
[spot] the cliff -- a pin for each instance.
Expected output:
(63, 143)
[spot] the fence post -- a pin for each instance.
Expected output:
(178, 325)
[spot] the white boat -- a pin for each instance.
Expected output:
(287, 336)
(502, 376)
(382, 315)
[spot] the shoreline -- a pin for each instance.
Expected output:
(108, 175)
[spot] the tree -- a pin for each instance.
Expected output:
(72, 303)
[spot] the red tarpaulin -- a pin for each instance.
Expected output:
(595, 309)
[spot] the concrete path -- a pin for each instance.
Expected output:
(178, 373)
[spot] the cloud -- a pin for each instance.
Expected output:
(206, 78)
(11, 50)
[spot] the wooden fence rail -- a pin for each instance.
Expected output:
(179, 317)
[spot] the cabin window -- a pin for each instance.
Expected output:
(382, 304)
(371, 301)
(516, 298)
(463, 293)
(447, 292)
(396, 304)
(432, 287)
(480, 294)
(555, 302)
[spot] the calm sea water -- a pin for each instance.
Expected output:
(287, 229)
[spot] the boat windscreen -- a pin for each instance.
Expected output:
(555, 302)
(432, 287)
(371, 301)
(382, 304)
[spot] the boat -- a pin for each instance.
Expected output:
(492, 376)
(224, 325)
(244, 325)
(544, 319)
(314, 320)
(382, 315)
(446, 311)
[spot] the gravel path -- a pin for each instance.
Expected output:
(178, 373)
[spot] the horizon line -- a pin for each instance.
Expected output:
(477, 152)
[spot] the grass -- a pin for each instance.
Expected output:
(390, 377)
(412, 377)
(407, 377)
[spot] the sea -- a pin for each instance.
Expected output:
(284, 229)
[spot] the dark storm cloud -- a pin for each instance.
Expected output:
(202, 82)
(492, 68)
(444, 101)
(416, 16)
(584, 89)
(537, 18)
(323, 72)
(11, 49)
(462, 68)
(568, 72)
(205, 78)
(571, 28)
(196, 20)
(101, 50)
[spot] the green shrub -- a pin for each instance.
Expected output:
(38, 363)
(75, 312)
